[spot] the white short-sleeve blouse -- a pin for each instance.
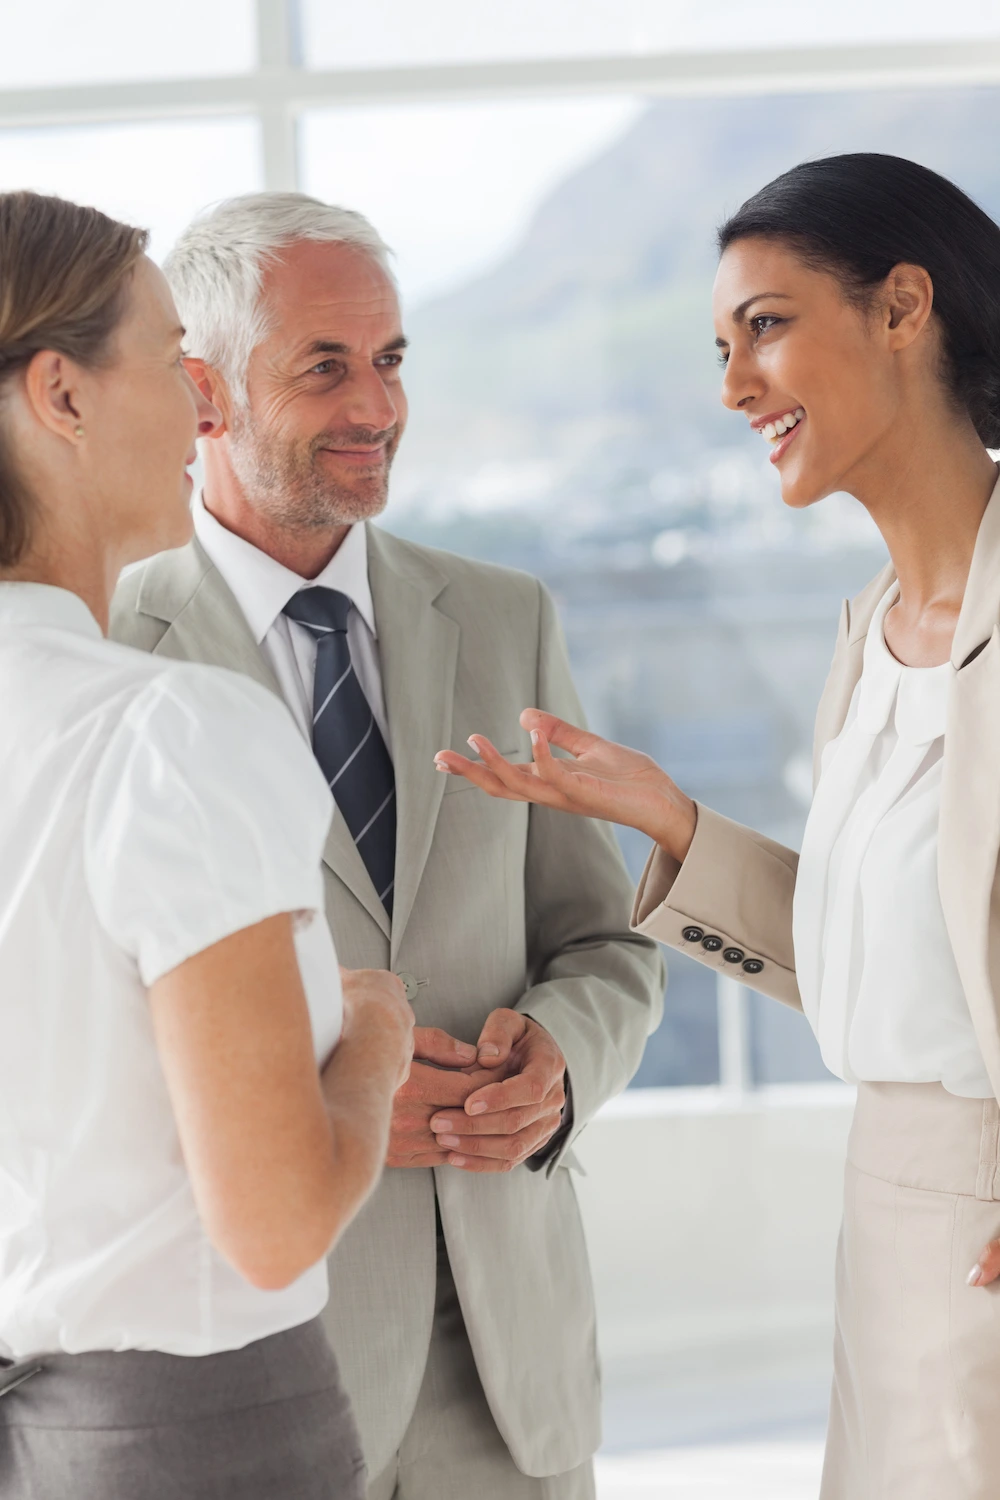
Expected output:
(150, 809)
(875, 966)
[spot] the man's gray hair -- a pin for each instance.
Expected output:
(216, 270)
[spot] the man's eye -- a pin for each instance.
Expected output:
(390, 359)
(323, 368)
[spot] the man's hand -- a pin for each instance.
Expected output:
(446, 1084)
(497, 1126)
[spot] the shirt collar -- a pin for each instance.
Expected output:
(43, 604)
(262, 586)
(916, 698)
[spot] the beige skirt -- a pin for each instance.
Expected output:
(915, 1412)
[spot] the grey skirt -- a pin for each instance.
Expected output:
(250, 1424)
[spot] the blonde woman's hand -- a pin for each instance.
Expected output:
(375, 1002)
(599, 780)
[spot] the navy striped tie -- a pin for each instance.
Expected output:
(346, 740)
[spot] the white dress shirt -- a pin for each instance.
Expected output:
(262, 587)
(875, 965)
(148, 812)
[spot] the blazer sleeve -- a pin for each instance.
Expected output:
(596, 986)
(732, 895)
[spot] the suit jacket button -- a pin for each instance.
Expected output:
(733, 955)
(410, 984)
(693, 934)
(711, 944)
(752, 966)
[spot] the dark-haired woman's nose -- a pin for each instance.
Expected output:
(741, 383)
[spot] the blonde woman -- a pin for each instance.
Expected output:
(857, 312)
(191, 1107)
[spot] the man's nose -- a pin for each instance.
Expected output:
(370, 402)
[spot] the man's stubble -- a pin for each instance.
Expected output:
(286, 483)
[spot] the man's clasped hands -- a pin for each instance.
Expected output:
(482, 1108)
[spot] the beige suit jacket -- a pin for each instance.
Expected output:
(737, 885)
(495, 905)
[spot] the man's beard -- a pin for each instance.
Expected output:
(289, 485)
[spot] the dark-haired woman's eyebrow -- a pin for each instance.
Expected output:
(740, 312)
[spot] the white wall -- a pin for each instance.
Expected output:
(712, 1220)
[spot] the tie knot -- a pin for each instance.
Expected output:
(320, 610)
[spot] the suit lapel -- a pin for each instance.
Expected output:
(206, 624)
(845, 670)
(418, 649)
(969, 833)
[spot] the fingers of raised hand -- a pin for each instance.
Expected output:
(523, 782)
(558, 732)
(987, 1268)
(476, 772)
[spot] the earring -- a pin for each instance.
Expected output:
(78, 430)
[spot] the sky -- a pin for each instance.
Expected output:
(64, 41)
(451, 186)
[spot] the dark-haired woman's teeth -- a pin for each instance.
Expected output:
(777, 429)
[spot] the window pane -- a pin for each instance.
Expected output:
(102, 41)
(566, 419)
(154, 175)
(399, 33)
(452, 187)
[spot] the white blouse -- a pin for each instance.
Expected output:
(150, 809)
(875, 966)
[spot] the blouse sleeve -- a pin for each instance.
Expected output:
(207, 814)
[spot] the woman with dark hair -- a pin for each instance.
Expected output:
(192, 1103)
(857, 312)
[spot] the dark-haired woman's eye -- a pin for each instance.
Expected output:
(763, 323)
(722, 355)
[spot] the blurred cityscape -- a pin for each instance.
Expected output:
(700, 630)
(566, 420)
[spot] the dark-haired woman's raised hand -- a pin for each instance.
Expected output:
(597, 779)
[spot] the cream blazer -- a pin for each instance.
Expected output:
(729, 904)
(496, 905)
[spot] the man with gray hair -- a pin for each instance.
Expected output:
(461, 1306)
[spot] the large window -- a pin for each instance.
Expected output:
(550, 174)
(554, 250)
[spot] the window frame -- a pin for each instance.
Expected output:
(281, 89)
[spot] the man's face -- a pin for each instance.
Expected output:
(326, 407)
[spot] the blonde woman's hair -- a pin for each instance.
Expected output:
(63, 275)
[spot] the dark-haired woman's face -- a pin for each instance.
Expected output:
(805, 366)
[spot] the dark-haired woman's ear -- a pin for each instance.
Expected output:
(908, 301)
(215, 390)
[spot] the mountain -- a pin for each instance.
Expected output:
(591, 346)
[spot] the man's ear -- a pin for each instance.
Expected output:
(214, 388)
(909, 301)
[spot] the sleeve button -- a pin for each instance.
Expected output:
(752, 966)
(693, 934)
(711, 944)
(733, 955)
